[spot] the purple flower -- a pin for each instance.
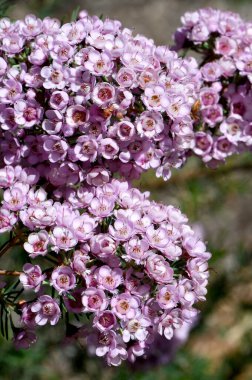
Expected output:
(32, 278)
(63, 238)
(27, 114)
(76, 115)
(125, 306)
(94, 300)
(7, 220)
(46, 310)
(24, 339)
(103, 94)
(85, 150)
(109, 279)
(56, 148)
(158, 269)
(63, 279)
(105, 321)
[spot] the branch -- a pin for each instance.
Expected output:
(4, 272)
(5, 247)
(9, 244)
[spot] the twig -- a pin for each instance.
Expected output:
(4, 272)
(9, 244)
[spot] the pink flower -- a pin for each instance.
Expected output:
(167, 297)
(83, 227)
(108, 148)
(125, 130)
(105, 321)
(125, 306)
(63, 238)
(37, 244)
(99, 63)
(85, 150)
(13, 44)
(38, 217)
(54, 76)
(103, 94)
(46, 310)
(159, 269)
(126, 77)
(76, 116)
(31, 26)
(225, 46)
(55, 147)
(97, 176)
(150, 124)
(15, 198)
(94, 300)
(108, 279)
(136, 329)
(122, 229)
(102, 206)
(32, 277)
(203, 143)
(11, 91)
(79, 261)
(170, 321)
(27, 114)
(103, 247)
(28, 317)
(155, 98)
(63, 279)
(62, 51)
(213, 115)
(177, 107)
(74, 32)
(24, 339)
(157, 238)
(7, 220)
(136, 249)
(59, 100)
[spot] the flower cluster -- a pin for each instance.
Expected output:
(223, 40)
(86, 99)
(126, 267)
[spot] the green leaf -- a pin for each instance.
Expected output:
(75, 14)
(6, 327)
(70, 297)
(2, 320)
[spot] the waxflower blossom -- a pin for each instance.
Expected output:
(133, 266)
(63, 279)
(94, 91)
(222, 114)
(32, 277)
(82, 104)
(46, 309)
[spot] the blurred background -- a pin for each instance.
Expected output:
(218, 202)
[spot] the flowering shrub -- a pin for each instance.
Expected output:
(86, 99)
(81, 104)
(126, 267)
(223, 41)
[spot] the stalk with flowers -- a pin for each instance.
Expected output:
(85, 108)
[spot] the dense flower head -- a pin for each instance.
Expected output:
(223, 40)
(128, 268)
(86, 99)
